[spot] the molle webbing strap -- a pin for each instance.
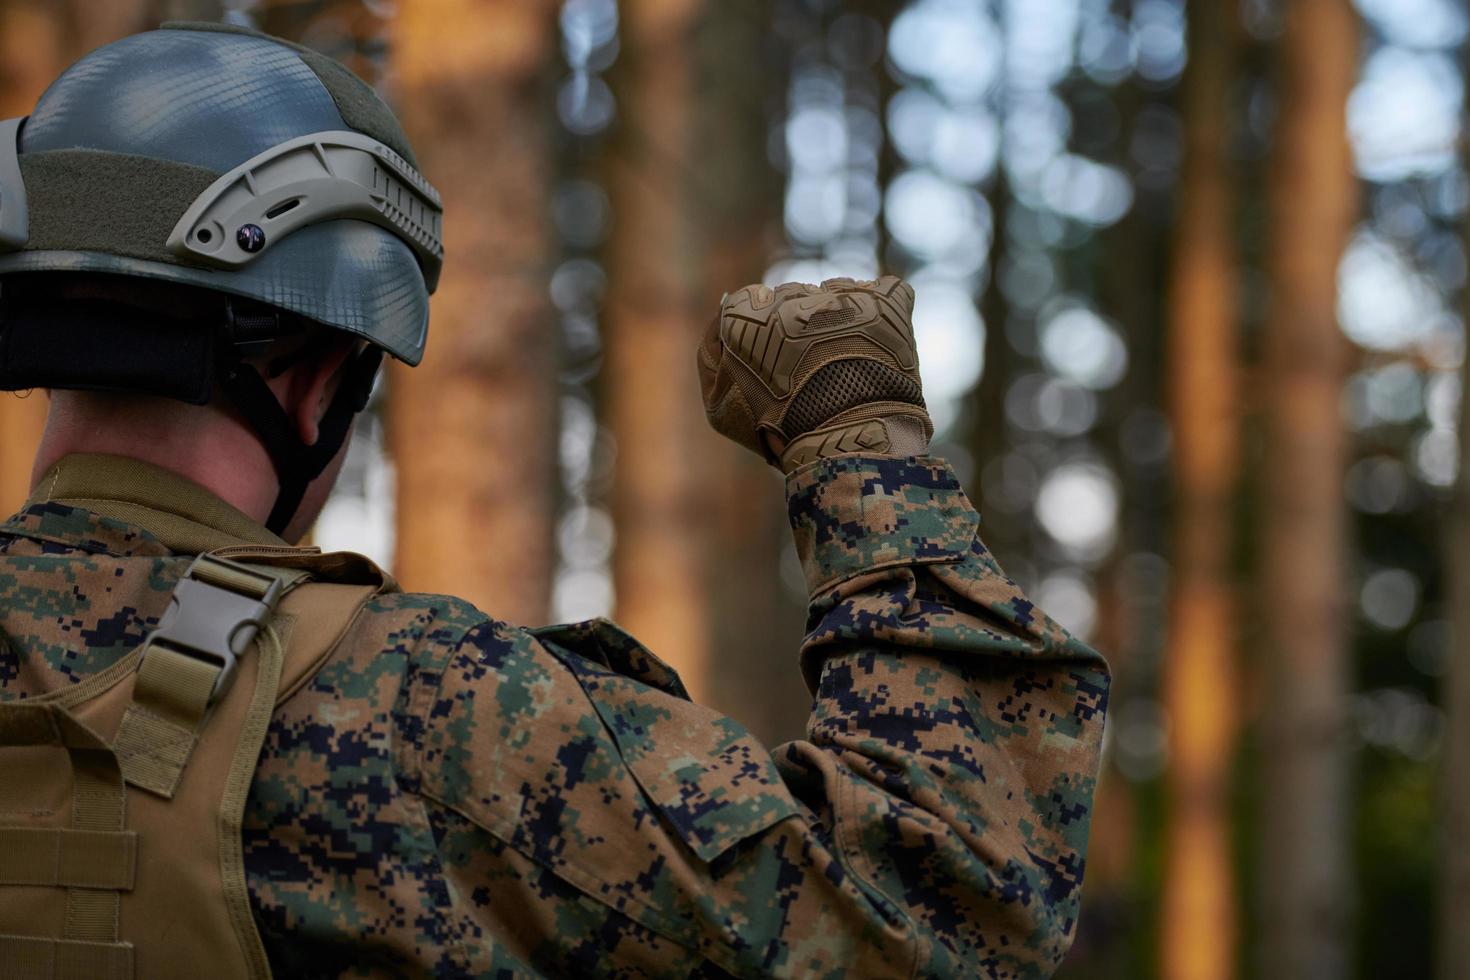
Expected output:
(31, 958)
(89, 945)
(57, 858)
(188, 662)
(231, 854)
(158, 732)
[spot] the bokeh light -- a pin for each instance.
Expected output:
(1389, 598)
(1079, 344)
(1078, 506)
(1384, 303)
(950, 43)
(1404, 115)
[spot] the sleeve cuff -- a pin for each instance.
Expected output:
(856, 514)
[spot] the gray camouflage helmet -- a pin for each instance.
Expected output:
(213, 156)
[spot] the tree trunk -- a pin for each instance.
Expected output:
(165, 10)
(1305, 878)
(990, 436)
(1198, 928)
(754, 622)
(473, 428)
(654, 321)
(350, 31)
(34, 48)
(1454, 938)
(38, 40)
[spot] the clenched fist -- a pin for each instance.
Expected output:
(802, 372)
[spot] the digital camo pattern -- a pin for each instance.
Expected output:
(457, 796)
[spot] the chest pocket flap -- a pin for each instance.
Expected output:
(709, 778)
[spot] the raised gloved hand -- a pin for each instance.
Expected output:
(802, 372)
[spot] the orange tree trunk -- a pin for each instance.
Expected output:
(654, 318)
(1305, 876)
(348, 30)
(1198, 929)
(472, 429)
(38, 39)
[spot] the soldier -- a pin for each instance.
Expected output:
(280, 762)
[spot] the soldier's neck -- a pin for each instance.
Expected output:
(200, 443)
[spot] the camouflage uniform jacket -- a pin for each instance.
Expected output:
(454, 796)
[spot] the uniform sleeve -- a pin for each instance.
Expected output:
(932, 823)
(955, 736)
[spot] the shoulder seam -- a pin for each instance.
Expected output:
(423, 690)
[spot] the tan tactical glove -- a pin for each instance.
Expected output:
(803, 372)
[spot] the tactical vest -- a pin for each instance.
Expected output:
(121, 796)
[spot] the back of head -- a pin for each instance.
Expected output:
(132, 136)
(259, 190)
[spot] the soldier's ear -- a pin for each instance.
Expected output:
(313, 386)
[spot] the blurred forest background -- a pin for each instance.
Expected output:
(1191, 282)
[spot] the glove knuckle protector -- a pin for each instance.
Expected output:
(804, 372)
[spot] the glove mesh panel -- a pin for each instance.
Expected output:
(842, 385)
(829, 318)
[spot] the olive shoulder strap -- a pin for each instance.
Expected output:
(127, 861)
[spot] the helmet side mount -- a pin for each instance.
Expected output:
(14, 216)
(313, 178)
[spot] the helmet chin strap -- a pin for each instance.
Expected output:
(296, 463)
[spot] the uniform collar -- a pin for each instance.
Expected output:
(182, 515)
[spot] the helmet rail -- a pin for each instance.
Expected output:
(306, 180)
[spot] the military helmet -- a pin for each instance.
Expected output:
(267, 188)
(213, 156)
